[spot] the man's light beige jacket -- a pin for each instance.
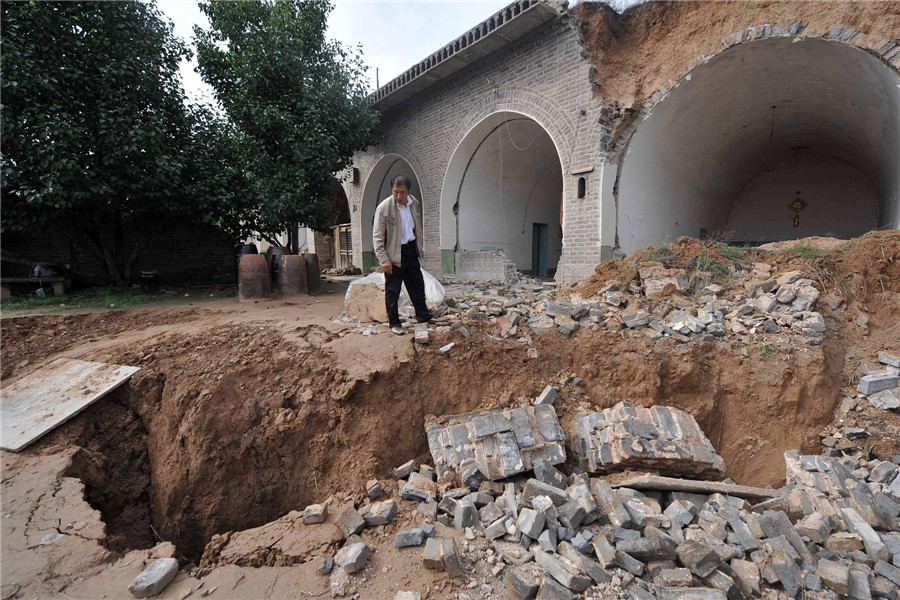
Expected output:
(387, 231)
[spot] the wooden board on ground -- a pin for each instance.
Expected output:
(50, 396)
(671, 484)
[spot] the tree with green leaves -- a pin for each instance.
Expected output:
(94, 124)
(298, 104)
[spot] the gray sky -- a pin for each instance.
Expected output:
(394, 34)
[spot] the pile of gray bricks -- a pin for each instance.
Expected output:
(497, 443)
(660, 438)
(882, 387)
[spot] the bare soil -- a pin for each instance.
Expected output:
(242, 413)
(651, 44)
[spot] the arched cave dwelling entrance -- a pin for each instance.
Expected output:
(378, 187)
(772, 139)
(503, 190)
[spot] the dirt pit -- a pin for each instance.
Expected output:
(241, 415)
(227, 430)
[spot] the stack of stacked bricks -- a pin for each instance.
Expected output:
(488, 265)
(660, 438)
(496, 443)
(822, 484)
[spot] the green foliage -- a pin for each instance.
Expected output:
(297, 103)
(94, 124)
(869, 452)
(805, 249)
(661, 255)
(730, 252)
(708, 264)
(767, 349)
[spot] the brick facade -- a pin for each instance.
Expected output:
(545, 75)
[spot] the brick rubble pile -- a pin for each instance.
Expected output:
(832, 531)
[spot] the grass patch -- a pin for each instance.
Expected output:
(805, 249)
(706, 263)
(660, 255)
(735, 253)
(113, 297)
(767, 349)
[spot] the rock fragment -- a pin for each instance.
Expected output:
(525, 580)
(403, 471)
(314, 513)
(352, 557)
(350, 522)
(877, 382)
(548, 396)
(380, 513)
(409, 537)
(154, 579)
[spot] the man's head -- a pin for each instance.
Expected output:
(400, 185)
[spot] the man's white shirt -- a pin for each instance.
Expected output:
(409, 225)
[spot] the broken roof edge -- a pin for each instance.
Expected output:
(498, 30)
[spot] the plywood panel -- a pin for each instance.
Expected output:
(45, 399)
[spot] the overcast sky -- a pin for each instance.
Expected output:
(394, 34)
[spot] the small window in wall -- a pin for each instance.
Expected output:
(581, 187)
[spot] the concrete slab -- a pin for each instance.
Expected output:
(672, 484)
(45, 399)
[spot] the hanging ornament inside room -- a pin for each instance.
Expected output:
(796, 206)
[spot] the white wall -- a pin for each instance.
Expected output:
(743, 113)
(841, 201)
(507, 176)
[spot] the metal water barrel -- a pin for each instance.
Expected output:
(241, 250)
(313, 274)
(253, 278)
(292, 274)
(273, 256)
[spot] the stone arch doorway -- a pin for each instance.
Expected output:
(377, 188)
(503, 191)
(772, 139)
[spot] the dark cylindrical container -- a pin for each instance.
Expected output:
(253, 278)
(292, 274)
(313, 274)
(150, 282)
(273, 256)
(241, 250)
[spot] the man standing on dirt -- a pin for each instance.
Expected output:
(397, 234)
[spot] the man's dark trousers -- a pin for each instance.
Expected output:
(410, 273)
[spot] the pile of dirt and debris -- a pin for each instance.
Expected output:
(712, 297)
(832, 529)
(242, 415)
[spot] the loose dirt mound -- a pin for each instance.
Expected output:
(637, 52)
(28, 341)
(366, 304)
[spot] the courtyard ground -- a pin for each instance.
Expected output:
(245, 412)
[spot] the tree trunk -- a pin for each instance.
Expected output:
(132, 260)
(112, 268)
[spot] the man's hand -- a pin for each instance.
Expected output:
(387, 266)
